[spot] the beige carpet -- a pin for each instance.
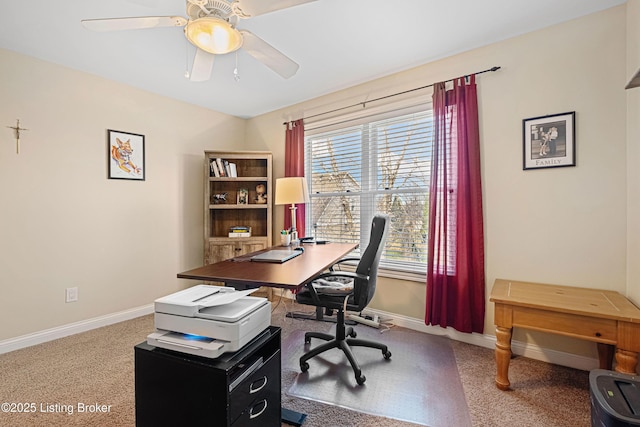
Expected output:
(541, 394)
(95, 369)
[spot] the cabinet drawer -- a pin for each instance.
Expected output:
(263, 384)
(264, 412)
(590, 328)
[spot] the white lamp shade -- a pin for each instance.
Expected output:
(213, 35)
(291, 190)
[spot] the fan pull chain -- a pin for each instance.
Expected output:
(186, 63)
(236, 76)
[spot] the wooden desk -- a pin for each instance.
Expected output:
(605, 317)
(241, 272)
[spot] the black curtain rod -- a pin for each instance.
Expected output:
(392, 95)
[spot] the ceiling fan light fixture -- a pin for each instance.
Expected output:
(213, 35)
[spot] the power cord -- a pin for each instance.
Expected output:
(290, 313)
(384, 324)
(278, 304)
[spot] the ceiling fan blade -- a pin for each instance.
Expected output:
(202, 66)
(268, 55)
(143, 22)
(250, 8)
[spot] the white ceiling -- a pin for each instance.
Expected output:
(338, 43)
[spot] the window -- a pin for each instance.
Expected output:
(375, 164)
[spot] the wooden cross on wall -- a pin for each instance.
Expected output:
(17, 130)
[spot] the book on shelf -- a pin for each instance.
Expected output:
(234, 234)
(213, 165)
(240, 231)
(233, 170)
(220, 164)
(223, 168)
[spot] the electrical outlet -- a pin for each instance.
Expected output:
(71, 294)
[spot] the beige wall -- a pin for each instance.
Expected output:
(633, 152)
(64, 224)
(565, 225)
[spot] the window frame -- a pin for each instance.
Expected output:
(406, 270)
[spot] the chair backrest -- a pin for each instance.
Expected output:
(368, 265)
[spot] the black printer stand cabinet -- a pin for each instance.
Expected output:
(235, 390)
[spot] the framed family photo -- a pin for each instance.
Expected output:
(243, 196)
(126, 155)
(549, 141)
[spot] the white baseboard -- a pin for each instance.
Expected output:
(28, 340)
(488, 341)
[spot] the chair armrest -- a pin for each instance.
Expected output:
(353, 258)
(347, 259)
(349, 274)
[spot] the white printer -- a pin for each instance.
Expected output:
(209, 320)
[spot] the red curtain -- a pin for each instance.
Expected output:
(455, 260)
(294, 166)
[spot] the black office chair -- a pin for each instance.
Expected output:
(362, 284)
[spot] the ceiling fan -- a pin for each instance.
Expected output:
(211, 27)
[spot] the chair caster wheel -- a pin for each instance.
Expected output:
(307, 340)
(304, 366)
(354, 334)
(361, 379)
(387, 355)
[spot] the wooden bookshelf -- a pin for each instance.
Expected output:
(225, 206)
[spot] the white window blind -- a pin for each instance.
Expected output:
(378, 164)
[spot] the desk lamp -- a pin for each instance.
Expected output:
(291, 191)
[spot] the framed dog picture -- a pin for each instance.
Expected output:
(549, 141)
(126, 155)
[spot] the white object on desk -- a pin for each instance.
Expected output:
(208, 320)
(292, 190)
(276, 256)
